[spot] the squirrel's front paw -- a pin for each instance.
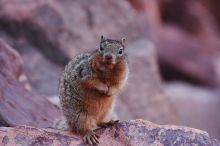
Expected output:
(109, 93)
(102, 88)
(112, 91)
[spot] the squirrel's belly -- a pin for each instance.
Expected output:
(100, 108)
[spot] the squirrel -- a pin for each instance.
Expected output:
(89, 85)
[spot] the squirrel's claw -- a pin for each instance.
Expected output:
(91, 138)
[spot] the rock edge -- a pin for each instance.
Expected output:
(129, 133)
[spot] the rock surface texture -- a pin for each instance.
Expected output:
(62, 29)
(127, 133)
(19, 105)
(196, 106)
(186, 34)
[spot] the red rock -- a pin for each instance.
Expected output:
(212, 6)
(60, 30)
(7, 55)
(196, 106)
(18, 104)
(187, 55)
(193, 44)
(133, 133)
(151, 9)
(186, 36)
(42, 73)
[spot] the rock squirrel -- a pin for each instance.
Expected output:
(89, 85)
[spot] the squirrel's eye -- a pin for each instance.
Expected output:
(101, 49)
(120, 51)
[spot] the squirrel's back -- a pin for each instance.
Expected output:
(70, 93)
(73, 73)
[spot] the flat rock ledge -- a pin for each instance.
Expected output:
(125, 133)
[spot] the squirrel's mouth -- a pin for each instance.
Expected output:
(105, 65)
(109, 63)
(108, 66)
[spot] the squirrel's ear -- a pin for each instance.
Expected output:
(102, 38)
(123, 41)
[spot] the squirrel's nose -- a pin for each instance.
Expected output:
(108, 57)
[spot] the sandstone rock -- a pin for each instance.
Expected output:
(7, 55)
(187, 55)
(143, 96)
(196, 106)
(42, 73)
(212, 5)
(191, 42)
(18, 104)
(62, 29)
(186, 37)
(133, 133)
(151, 10)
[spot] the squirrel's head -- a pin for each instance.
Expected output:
(111, 51)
